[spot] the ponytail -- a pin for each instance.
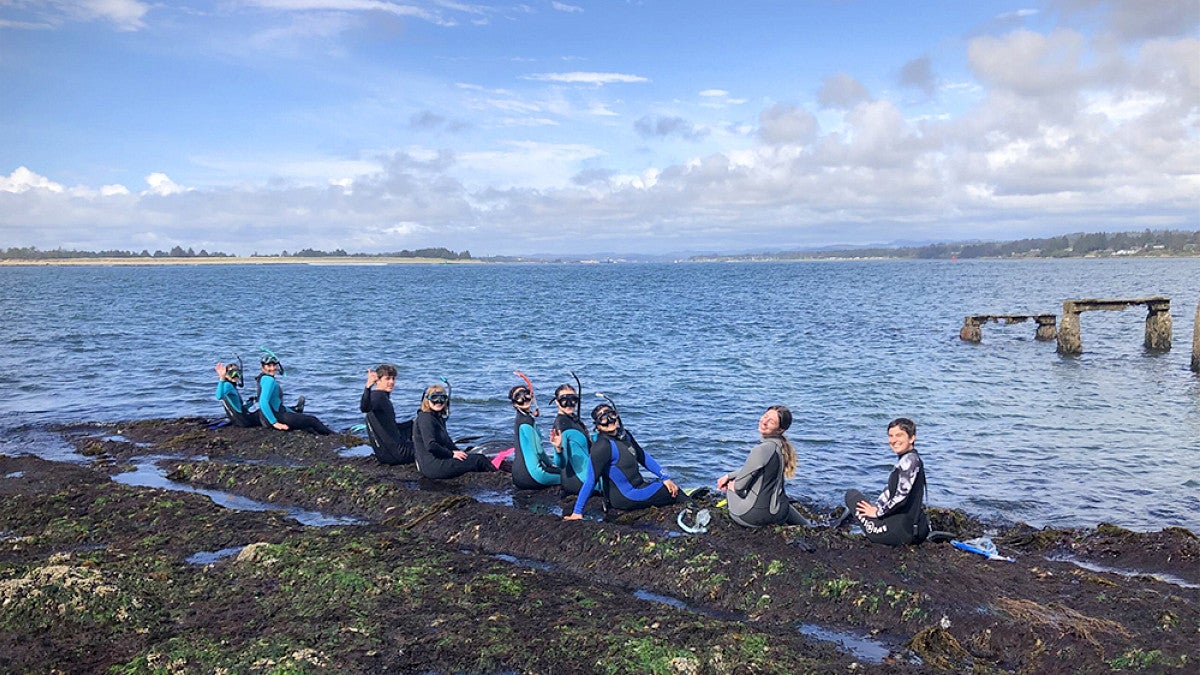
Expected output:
(786, 450)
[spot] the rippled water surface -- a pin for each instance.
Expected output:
(692, 353)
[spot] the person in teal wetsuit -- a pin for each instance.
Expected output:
(236, 409)
(531, 469)
(270, 403)
(570, 437)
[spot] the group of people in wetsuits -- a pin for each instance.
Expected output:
(608, 462)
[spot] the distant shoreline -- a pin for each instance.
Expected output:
(348, 260)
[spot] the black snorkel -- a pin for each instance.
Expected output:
(240, 380)
(579, 393)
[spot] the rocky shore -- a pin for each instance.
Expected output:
(286, 553)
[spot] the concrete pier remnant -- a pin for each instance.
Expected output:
(1196, 341)
(1158, 321)
(972, 329)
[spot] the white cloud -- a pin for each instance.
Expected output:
(124, 14)
(563, 7)
(24, 180)
(161, 185)
(579, 77)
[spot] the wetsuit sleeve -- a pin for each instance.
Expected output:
(269, 390)
(908, 467)
(531, 444)
(647, 461)
(365, 404)
(429, 432)
(744, 477)
(601, 457)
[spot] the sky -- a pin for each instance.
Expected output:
(579, 126)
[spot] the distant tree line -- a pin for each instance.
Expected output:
(33, 253)
(1097, 244)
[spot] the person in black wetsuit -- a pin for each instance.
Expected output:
(898, 516)
(617, 458)
(237, 410)
(270, 403)
(436, 454)
(391, 440)
(570, 436)
(531, 468)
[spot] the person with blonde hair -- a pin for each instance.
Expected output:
(756, 492)
(436, 454)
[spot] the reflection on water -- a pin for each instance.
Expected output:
(147, 473)
(210, 557)
(1093, 567)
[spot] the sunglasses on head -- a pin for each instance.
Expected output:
(568, 400)
(437, 399)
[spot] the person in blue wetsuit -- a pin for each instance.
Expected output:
(617, 458)
(236, 409)
(755, 492)
(270, 403)
(531, 468)
(898, 516)
(437, 455)
(392, 441)
(570, 437)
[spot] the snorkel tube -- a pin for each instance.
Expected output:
(241, 380)
(535, 410)
(579, 393)
(449, 396)
(610, 402)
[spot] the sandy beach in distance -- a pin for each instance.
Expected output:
(341, 260)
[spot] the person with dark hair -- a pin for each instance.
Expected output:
(617, 458)
(570, 437)
(270, 403)
(436, 454)
(237, 410)
(898, 516)
(756, 492)
(390, 439)
(531, 469)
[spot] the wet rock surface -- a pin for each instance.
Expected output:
(469, 576)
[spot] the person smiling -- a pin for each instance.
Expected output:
(898, 516)
(755, 492)
(618, 458)
(270, 403)
(436, 454)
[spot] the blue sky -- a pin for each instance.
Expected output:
(578, 127)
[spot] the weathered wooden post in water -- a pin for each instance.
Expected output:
(1158, 322)
(972, 329)
(1196, 341)
(1069, 341)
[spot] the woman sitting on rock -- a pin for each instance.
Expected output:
(755, 492)
(437, 455)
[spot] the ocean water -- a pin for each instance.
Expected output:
(692, 354)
